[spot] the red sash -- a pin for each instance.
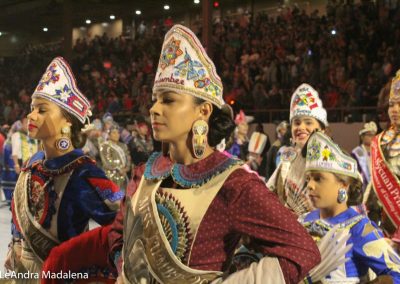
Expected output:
(385, 183)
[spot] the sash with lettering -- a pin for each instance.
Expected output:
(38, 239)
(147, 253)
(386, 184)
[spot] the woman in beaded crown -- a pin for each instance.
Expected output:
(59, 189)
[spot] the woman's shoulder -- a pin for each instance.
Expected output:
(89, 178)
(38, 156)
(244, 183)
(243, 174)
(88, 168)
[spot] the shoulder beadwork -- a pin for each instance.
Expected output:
(288, 154)
(160, 167)
(157, 167)
(39, 156)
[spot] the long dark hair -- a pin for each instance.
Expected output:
(221, 125)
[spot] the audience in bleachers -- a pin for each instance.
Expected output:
(347, 53)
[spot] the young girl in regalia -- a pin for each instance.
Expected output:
(307, 114)
(334, 184)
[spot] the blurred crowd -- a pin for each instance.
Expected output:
(347, 53)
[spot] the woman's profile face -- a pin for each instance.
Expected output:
(172, 116)
(45, 120)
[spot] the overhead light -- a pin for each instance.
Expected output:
(104, 24)
(138, 12)
(333, 32)
(88, 21)
(1, 33)
(45, 29)
(196, 1)
(112, 17)
(166, 7)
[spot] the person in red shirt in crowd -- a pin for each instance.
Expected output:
(127, 102)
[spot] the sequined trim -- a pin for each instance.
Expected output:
(159, 167)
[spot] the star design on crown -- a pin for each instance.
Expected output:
(327, 154)
(50, 76)
(171, 52)
(64, 93)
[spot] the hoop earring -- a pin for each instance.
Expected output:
(64, 143)
(199, 139)
(342, 195)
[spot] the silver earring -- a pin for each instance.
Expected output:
(342, 195)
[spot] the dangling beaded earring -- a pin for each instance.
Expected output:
(64, 142)
(199, 139)
(342, 195)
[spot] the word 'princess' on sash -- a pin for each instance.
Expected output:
(386, 184)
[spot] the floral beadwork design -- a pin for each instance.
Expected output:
(314, 150)
(306, 100)
(170, 53)
(214, 90)
(187, 68)
(345, 165)
(51, 76)
(327, 154)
